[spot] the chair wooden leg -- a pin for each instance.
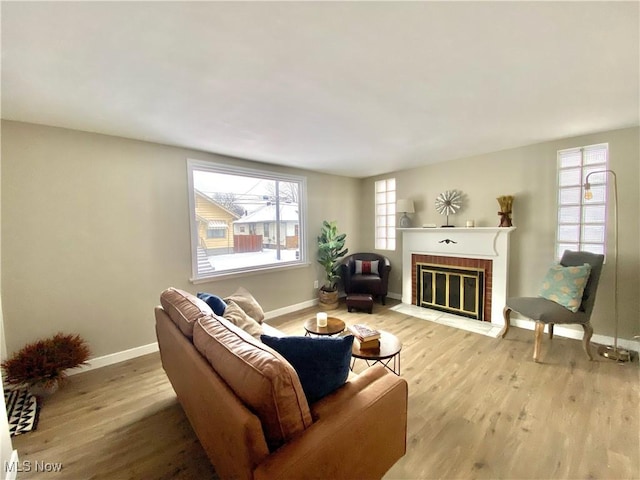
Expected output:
(506, 313)
(550, 331)
(588, 332)
(537, 340)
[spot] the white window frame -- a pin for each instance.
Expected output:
(301, 260)
(385, 214)
(575, 215)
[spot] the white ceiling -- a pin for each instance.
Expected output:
(356, 88)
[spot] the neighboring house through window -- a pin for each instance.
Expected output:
(582, 224)
(217, 229)
(385, 212)
(244, 219)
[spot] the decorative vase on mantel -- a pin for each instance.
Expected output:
(506, 203)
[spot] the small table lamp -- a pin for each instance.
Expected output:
(405, 206)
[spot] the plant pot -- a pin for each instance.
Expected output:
(44, 388)
(328, 299)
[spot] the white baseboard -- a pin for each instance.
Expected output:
(558, 330)
(562, 331)
(291, 308)
(310, 303)
(117, 357)
(395, 296)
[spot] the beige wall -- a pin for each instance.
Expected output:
(95, 227)
(529, 173)
(114, 213)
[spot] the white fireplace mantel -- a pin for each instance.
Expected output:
(481, 242)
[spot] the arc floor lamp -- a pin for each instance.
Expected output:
(612, 352)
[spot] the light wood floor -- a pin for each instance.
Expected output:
(478, 408)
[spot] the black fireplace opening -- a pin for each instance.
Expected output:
(457, 290)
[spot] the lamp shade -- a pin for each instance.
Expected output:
(404, 206)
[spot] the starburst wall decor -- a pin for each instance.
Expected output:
(448, 203)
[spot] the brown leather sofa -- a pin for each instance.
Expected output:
(247, 407)
(375, 283)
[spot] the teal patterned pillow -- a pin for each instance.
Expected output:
(565, 285)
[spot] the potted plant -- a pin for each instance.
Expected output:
(41, 365)
(330, 250)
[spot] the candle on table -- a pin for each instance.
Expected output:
(321, 319)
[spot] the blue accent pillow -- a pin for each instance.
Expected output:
(216, 303)
(322, 363)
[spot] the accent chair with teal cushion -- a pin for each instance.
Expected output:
(567, 295)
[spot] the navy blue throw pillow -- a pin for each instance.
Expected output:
(322, 363)
(216, 303)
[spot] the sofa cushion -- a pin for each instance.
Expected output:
(184, 309)
(258, 375)
(215, 302)
(322, 363)
(239, 318)
(246, 302)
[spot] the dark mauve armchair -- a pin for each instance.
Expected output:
(376, 283)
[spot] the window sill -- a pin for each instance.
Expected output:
(248, 272)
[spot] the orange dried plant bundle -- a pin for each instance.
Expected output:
(46, 360)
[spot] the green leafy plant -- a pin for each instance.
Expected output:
(330, 250)
(46, 360)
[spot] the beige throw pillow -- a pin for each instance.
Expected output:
(246, 302)
(240, 318)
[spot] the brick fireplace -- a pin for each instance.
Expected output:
(482, 249)
(455, 265)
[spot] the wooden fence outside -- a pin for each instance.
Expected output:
(247, 243)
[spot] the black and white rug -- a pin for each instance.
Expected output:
(22, 411)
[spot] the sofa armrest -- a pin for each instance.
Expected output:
(359, 432)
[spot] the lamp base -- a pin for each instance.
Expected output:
(615, 353)
(405, 221)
